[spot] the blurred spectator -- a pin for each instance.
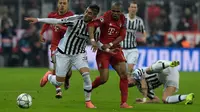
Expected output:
(171, 43)
(184, 43)
(29, 47)
(7, 34)
(186, 22)
(154, 39)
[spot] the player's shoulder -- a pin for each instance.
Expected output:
(107, 13)
(75, 17)
(52, 14)
(123, 15)
(69, 13)
(139, 18)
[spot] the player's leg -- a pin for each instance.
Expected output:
(52, 72)
(81, 63)
(131, 60)
(161, 65)
(102, 60)
(168, 96)
(68, 76)
(58, 88)
(62, 66)
(118, 63)
(171, 86)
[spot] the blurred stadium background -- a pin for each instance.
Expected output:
(173, 28)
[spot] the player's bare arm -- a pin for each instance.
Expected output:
(144, 89)
(91, 30)
(154, 100)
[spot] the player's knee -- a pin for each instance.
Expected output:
(123, 75)
(60, 79)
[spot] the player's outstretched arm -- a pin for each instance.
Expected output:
(45, 20)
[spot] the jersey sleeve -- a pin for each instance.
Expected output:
(138, 74)
(67, 20)
(150, 94)
(97, 22)
(123, 28)
(46, 26)
(141, 26)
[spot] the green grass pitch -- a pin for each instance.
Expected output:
(14, 81)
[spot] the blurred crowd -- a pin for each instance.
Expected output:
(19, 41)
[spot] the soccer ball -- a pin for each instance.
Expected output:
(24, 100)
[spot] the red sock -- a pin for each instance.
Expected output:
(124, 90)
(96, 82)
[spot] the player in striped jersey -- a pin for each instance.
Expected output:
(160, 73)
(71, 49)
(58, 33)
(134, 24)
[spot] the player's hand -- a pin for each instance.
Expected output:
(106, 46)
(141, 100)
(138, 100)
(42, 40)
(94, 47)
(114, 51)
(31, 20)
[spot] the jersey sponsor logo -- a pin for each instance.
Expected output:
(111, 31)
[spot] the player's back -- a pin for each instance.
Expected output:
(110, 30)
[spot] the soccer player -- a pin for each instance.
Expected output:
(58, 33)
(163, 73)
(71, 49)
(134, 24)
(112, 33)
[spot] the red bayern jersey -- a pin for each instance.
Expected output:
(110, 28)
(57, 34)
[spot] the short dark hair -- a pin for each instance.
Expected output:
(133, 2)
(95, 8)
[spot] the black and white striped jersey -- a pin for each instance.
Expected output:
(152, 80)
(76, 36)
(132, 26)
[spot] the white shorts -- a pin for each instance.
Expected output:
(64, 62)
(170, 77)
(131, 55)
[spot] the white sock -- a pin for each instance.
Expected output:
(52, 80)
(175, 98)
(87, 85)
(159, 66)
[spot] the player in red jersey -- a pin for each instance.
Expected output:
(58, 33)
(112, 26)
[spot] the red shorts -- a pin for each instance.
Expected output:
(104, 59)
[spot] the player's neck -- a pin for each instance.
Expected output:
(62, 13)
(131, 16)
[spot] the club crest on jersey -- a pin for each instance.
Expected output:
(102, 20)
